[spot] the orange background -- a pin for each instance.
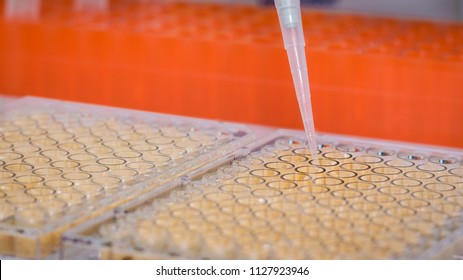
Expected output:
(374, 77)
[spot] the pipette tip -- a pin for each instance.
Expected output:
(289, 14)
(312, 144)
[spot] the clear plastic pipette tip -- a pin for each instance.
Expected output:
(289, 14)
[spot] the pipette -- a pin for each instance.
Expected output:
(289, 14)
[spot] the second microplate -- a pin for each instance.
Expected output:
(63, 163)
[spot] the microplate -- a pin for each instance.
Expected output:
(365, 200)
(62, 163)
(5, 99)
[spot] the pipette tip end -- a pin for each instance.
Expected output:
(313, 149)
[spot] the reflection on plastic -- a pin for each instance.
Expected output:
(96, 6)
(22, 9)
